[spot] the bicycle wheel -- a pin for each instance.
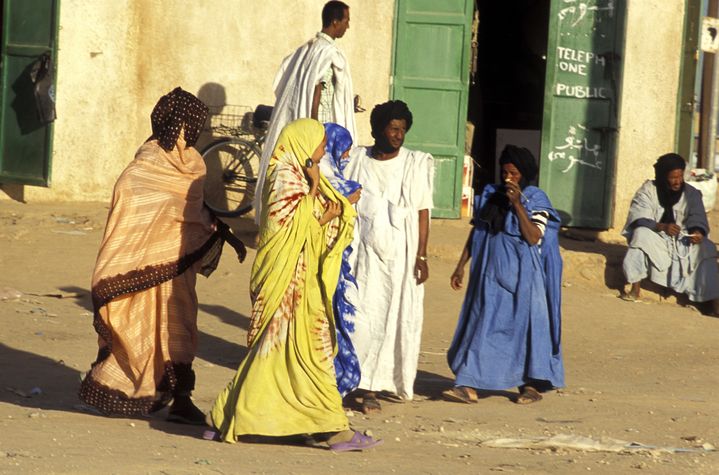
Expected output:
(232, 168)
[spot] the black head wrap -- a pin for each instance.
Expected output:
(667, 197)
(382, 115)
(523, 159)
(495, 210)
(174, 111)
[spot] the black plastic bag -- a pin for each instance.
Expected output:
(43, 88)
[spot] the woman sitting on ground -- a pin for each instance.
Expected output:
(509, 328)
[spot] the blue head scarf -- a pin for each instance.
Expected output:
(339, 141)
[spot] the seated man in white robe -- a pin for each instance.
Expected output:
(390, 262)
(668, 236)
(313, 82)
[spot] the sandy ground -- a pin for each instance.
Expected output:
(642, 372)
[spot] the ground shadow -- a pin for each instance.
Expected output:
(157, 421)
(220, 352)
(431, 385)
(244, 227)
(227, 315)
(82, 297)
(14, 191)
(35, 381)
(587, 242)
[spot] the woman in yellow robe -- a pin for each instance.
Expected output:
(286, 385)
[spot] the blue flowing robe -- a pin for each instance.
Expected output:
(509, 329)
(332, 165)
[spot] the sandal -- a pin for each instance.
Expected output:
(528, 395)
(460, 394)
(359, 442)
(370, 404)
(629, 297)
(391, 397)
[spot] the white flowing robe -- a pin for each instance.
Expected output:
(388, 322)
(674, 263)
(294, 87)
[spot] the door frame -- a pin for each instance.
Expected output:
(46, 179)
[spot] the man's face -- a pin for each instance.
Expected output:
(342, 25)
(675, 179)
(394, 133)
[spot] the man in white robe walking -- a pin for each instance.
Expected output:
(313, 82)
(390, 258)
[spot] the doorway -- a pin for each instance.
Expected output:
(506, 93)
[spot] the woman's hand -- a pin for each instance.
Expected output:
(513, 191)
(313, 176)
(421, 269)
(354, 197)
(231, 239)
(332, 210)
(455, 281)
(239, 248)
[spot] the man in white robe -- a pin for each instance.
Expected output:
(668, 236)
(313, 82)
(390, 258)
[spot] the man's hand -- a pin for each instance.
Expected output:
(455, 281)
(696, 237)
(513, 191)
(421, 270)
(671, 229)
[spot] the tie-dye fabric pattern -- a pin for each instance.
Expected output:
(347, 366)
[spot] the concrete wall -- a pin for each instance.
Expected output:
(117, 58)
(648, 111)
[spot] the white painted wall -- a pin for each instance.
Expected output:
(117, 57)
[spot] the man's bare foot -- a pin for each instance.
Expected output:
(370, 403)
(463, 394)
(528, 395)
(633, 294)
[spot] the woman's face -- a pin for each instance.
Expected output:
(319, 151)
(346, 154)
(510, 172)
(675, 179)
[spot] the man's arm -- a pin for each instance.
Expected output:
(316, 101)
(421, 269)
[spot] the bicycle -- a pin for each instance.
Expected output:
(233, 161)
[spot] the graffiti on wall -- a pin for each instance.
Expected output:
(577, 150)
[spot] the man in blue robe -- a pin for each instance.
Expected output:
(509, 329)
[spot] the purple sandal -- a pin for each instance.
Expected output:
(359, 442)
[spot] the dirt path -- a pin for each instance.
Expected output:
(636, 372)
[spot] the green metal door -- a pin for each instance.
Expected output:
(431, 74)
(29, 29)
(580, 120)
